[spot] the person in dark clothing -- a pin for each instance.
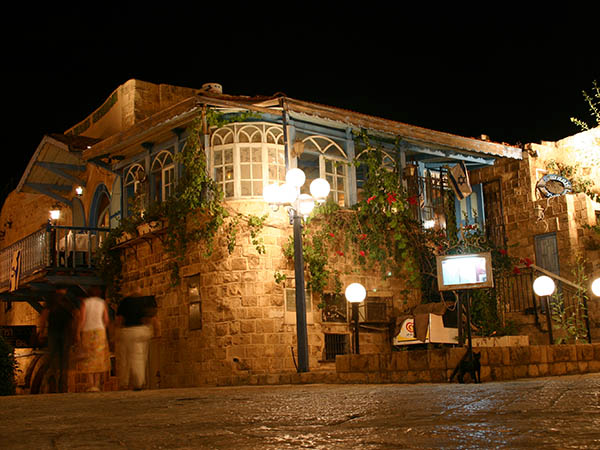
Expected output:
(136, 316)
(58, 316)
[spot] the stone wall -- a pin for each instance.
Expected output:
(246, 331)
(497, 364)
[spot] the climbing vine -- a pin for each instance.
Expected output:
(381, 232)
(193, 213)
(579, 183)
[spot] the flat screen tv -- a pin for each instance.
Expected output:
(469, 271)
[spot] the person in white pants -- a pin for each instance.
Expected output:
(136, 316)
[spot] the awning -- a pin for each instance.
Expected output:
(56, 167)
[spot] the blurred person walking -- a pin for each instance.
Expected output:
(58, 318)
(93, 352)
(136, 317)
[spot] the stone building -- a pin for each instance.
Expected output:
(227, 321)
(540, 214)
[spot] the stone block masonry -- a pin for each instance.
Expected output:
(497, 364)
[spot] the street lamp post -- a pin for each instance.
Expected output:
(544, 287)
(299, 206)
(355, 294)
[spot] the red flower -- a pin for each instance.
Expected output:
(362, 237)
(412, 200)
(502, 251)
(391, 198)
(516, 270)
(339, 252)
(370, 199)
(527, 262)
(331, 234)
(361, 253)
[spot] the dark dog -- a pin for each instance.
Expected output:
(466, 365)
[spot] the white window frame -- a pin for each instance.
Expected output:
(252, 135)
(329, 150)
(131, 178)
(160, 167)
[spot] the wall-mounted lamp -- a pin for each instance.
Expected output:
(55, 212)
(79, 191)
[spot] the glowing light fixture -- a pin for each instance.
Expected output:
(295, 177)
(299, 206)
(319, 189)
(543, 286)
(355, 293)
(596, 287)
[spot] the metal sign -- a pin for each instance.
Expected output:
(552, 185)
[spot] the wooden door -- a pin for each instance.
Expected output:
(546, 252)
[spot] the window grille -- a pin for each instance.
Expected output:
(373, 310)
(335, 344)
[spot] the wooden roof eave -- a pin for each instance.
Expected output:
(410, 133)
(60, 162)
(169, 118)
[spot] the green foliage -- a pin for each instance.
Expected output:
(194, 212)
(571, 319)
(381, 233)
(8, 369)
(579, 183)
(593, 102)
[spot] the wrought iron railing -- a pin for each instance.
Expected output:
(52, 247)
(568, 305)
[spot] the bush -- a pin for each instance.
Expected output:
(8, 368)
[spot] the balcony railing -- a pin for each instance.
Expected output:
(51, 248)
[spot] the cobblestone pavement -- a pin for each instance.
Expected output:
(555, 413)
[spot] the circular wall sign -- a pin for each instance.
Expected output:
(552, 185)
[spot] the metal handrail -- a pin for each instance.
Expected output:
(52, 247)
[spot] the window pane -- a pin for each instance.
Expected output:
(244, 154)
(257, 188)
(228, 155)
(229, 173)
(257, 154)
(257, 171)
(246, 188)
(219, 174)
(218, 158)
(329, 166)
(228, 189)
(245, 171)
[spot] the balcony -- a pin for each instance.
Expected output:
(52, 255)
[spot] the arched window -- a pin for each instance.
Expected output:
(134, 188)
(100, 208)
(162, 176)
(322, 157)
(245, 157)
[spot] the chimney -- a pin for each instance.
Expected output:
(213, 88)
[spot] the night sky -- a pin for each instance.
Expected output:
(514, 76)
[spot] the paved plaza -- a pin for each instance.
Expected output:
(551, 413)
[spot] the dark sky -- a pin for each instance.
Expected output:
(514, 76)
